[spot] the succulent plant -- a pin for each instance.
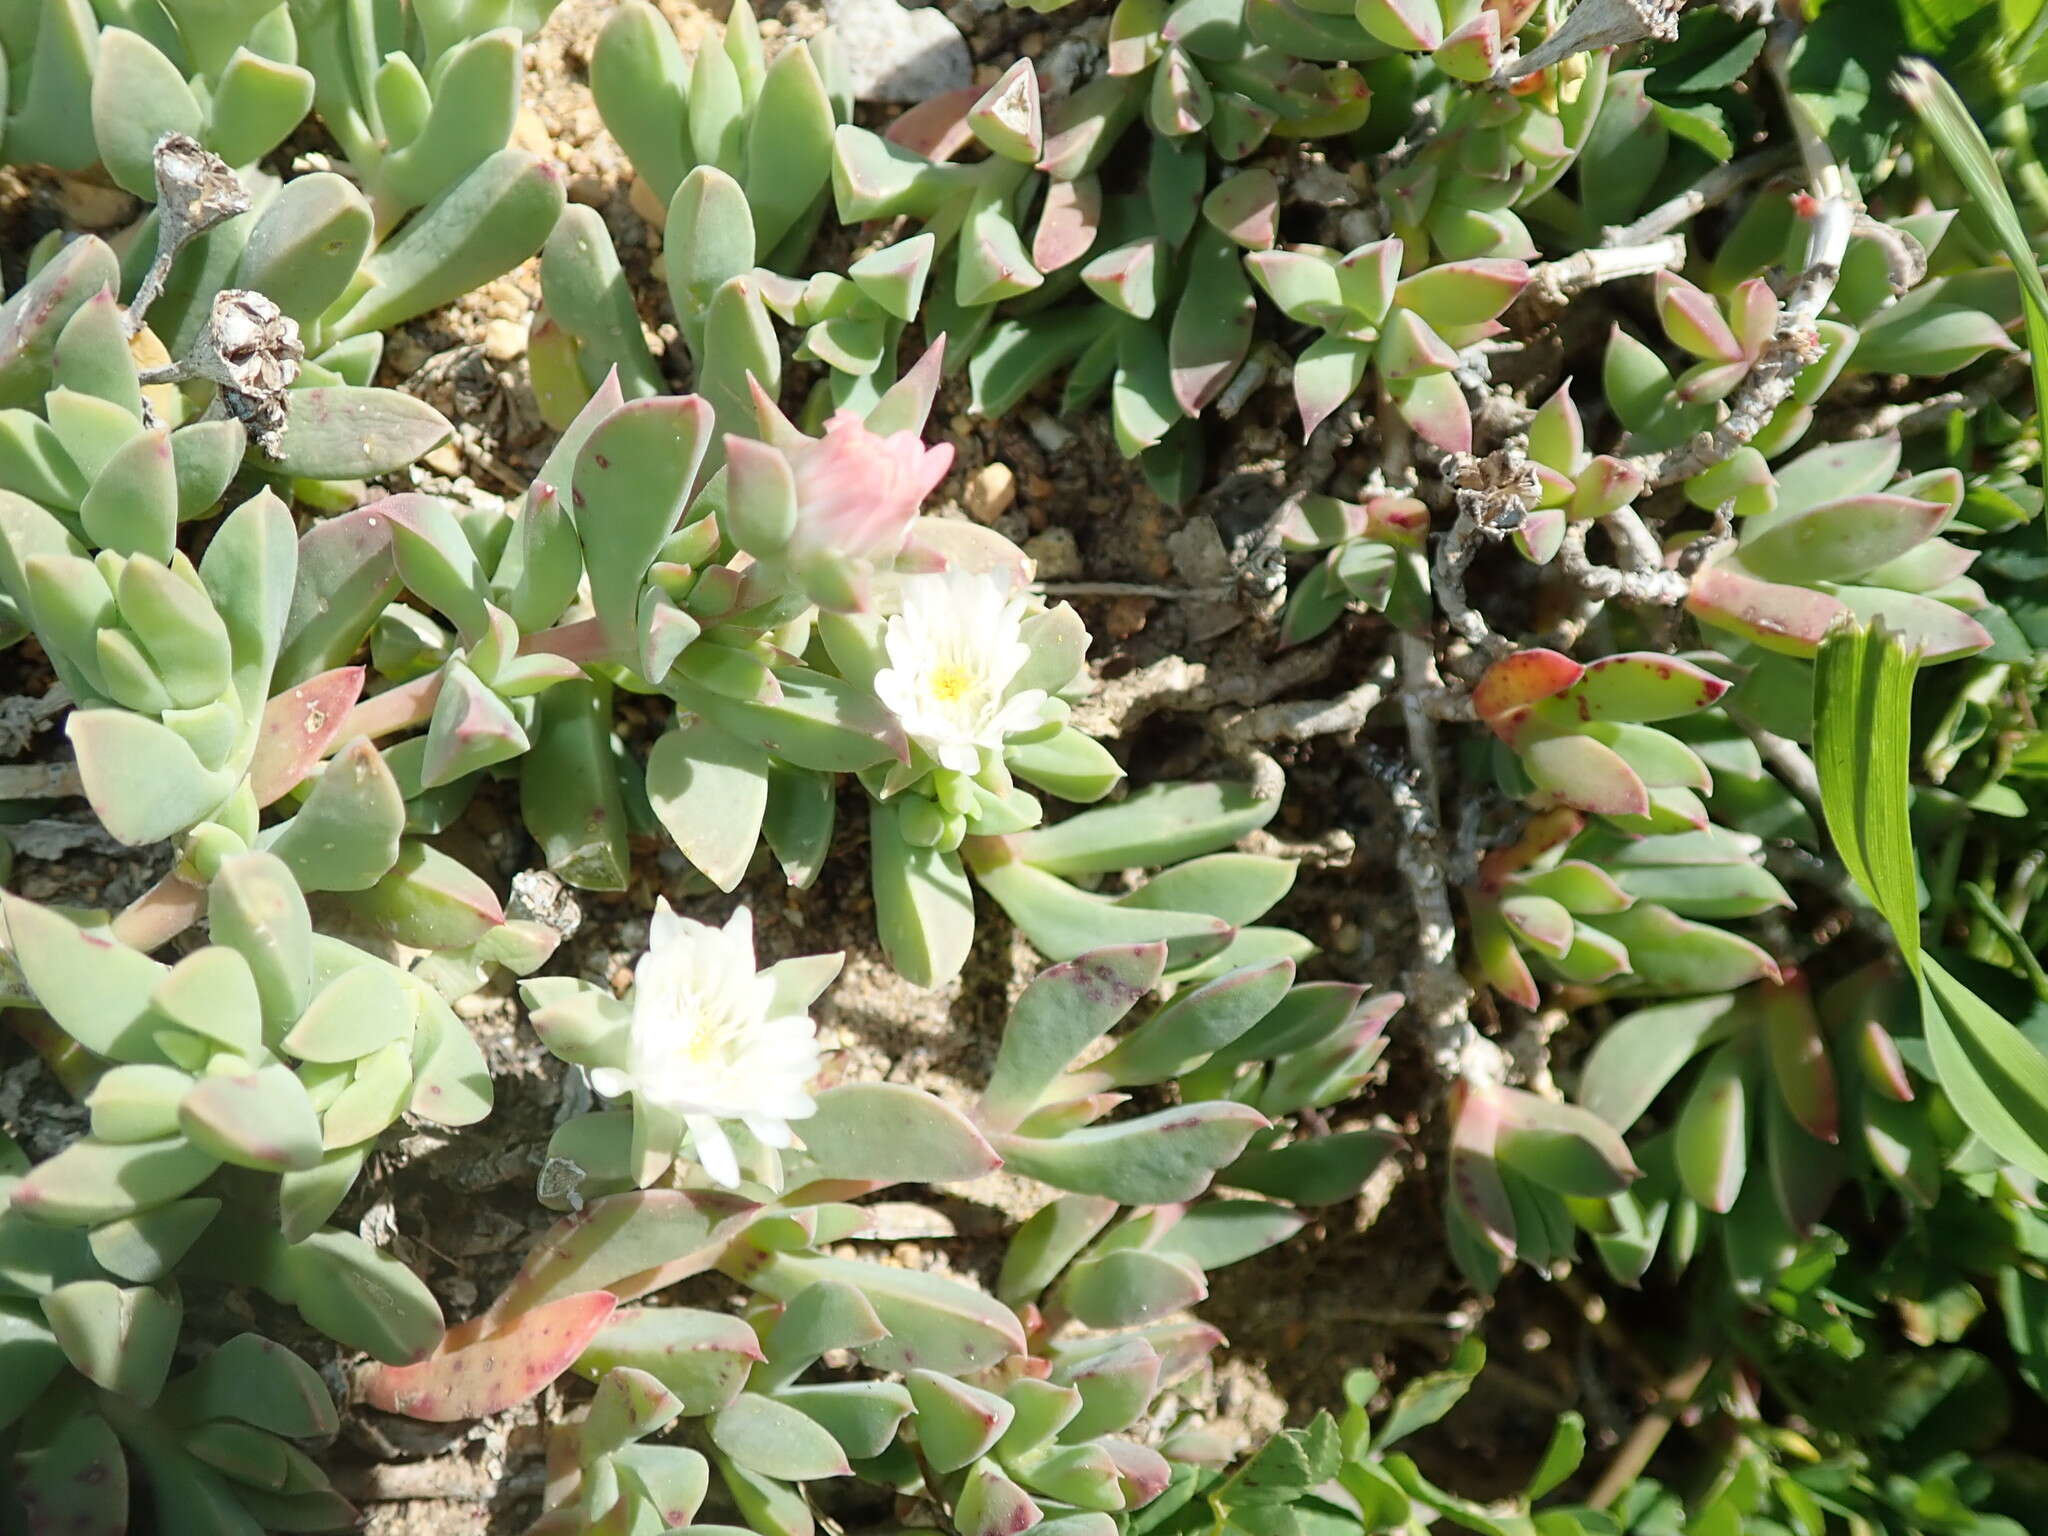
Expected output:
(184, 104)
(1791, 1099)
(1408, 329)
(1517, 1159)
(1833, 535)
(102, 1424)
(273, 1048)
(1020, 1408)
(1375, 558)
(1574, 485)
(1618, 878)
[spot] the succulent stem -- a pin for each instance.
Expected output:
(395, 709)
(160, 913)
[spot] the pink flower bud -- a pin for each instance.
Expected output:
(858, 492)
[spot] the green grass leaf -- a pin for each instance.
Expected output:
(1953, 129)
(1997, 1079)
(1863, 715)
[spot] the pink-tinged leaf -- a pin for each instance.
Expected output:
(1007, 118)
(1540, 535)
(1471, 53)
(1514, 14)
(1928, 625)
(1595, 957)
(1540, 922)
(1693, 320)
(1133, 41)
(1562, 1147)
(1643, 686)
(1141, 1472)
(1557, 436)
(907, 404)
(1605, 486)
(1521, 679)
(298, 726)
(937, 129)
(1799, 1056)
(1677, 956)
(1556, 487)
(1584, 889)
(1327, 374)
(1883, 1068)
(1398, 520)
(1753, 316)
(1181, 101)
(1499, 961)
(1318, 522)
(1932, 567)
(1588, 774)
(1839, 540)
(1435, 407)
(1409, 349)
(1463, 293)
(1944, 485)
(1789, 620)
(1067, 224)
(1711, 1143)
(1128, 277)
(625, 1244)
(1304, 284)
(1212, 328)
(1704, 383)
(1837, 471)
(1368, 276)
(1246, 207)
(495, 1372)
(1414, 26)
(1476, 1188)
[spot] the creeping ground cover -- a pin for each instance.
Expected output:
(1090, 767)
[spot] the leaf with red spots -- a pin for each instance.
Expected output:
(494, 1372)
(1522, 679)
(75, 1481)
(1789, 620)
(298, 726)
(1641, 686)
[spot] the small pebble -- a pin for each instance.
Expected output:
(530, 133)
(898, 54)
(87, 206)
(643, 202)
(444, 460)
(1126, 616)
(1046, 432)
(1056, 555)
(504, 340)
(990, 490)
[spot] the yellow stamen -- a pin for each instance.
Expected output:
(950, 683)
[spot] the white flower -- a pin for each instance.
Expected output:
(955, 647)
(702, 1044)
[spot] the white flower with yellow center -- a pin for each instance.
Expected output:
(955, 647)
(703, 1046)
